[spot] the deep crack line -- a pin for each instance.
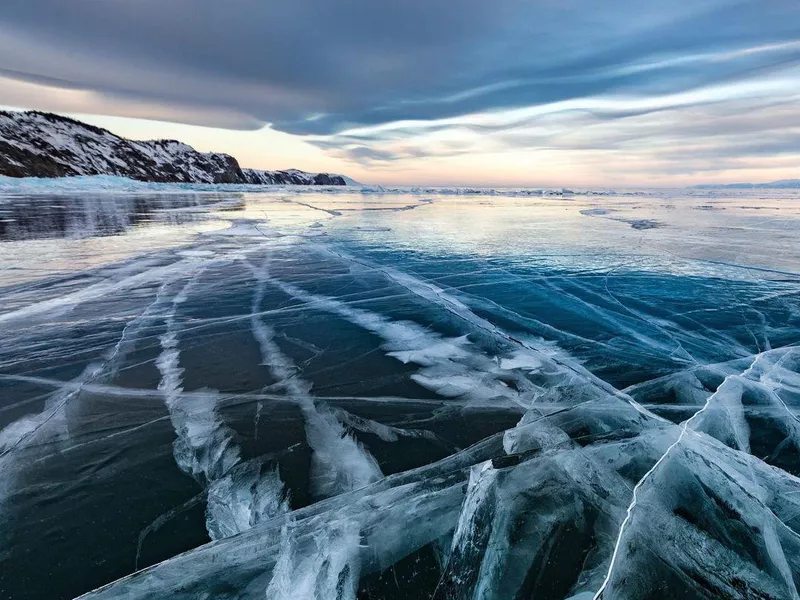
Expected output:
(339, 460)
(83, 381)
(684, 427)
(438, 296)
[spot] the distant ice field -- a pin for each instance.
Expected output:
(369, 393)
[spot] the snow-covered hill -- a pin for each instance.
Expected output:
(36, 144)
(291, 177)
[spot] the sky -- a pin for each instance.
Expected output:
(430, 92)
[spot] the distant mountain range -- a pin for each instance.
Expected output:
(783, 183)
(38, 144)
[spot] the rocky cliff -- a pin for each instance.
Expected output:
(36, 144)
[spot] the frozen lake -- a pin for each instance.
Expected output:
(399, 394)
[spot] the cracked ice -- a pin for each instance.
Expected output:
(388, 394)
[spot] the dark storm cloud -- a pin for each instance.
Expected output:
(40, 79)
(320, 66)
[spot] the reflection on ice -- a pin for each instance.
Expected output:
(87, 215)
(551, 404)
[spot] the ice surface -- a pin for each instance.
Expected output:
(246, 495)
(360, 395)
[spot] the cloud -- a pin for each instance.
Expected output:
(277, 61)
(366, 62)
(380, 82)
(49, 95)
